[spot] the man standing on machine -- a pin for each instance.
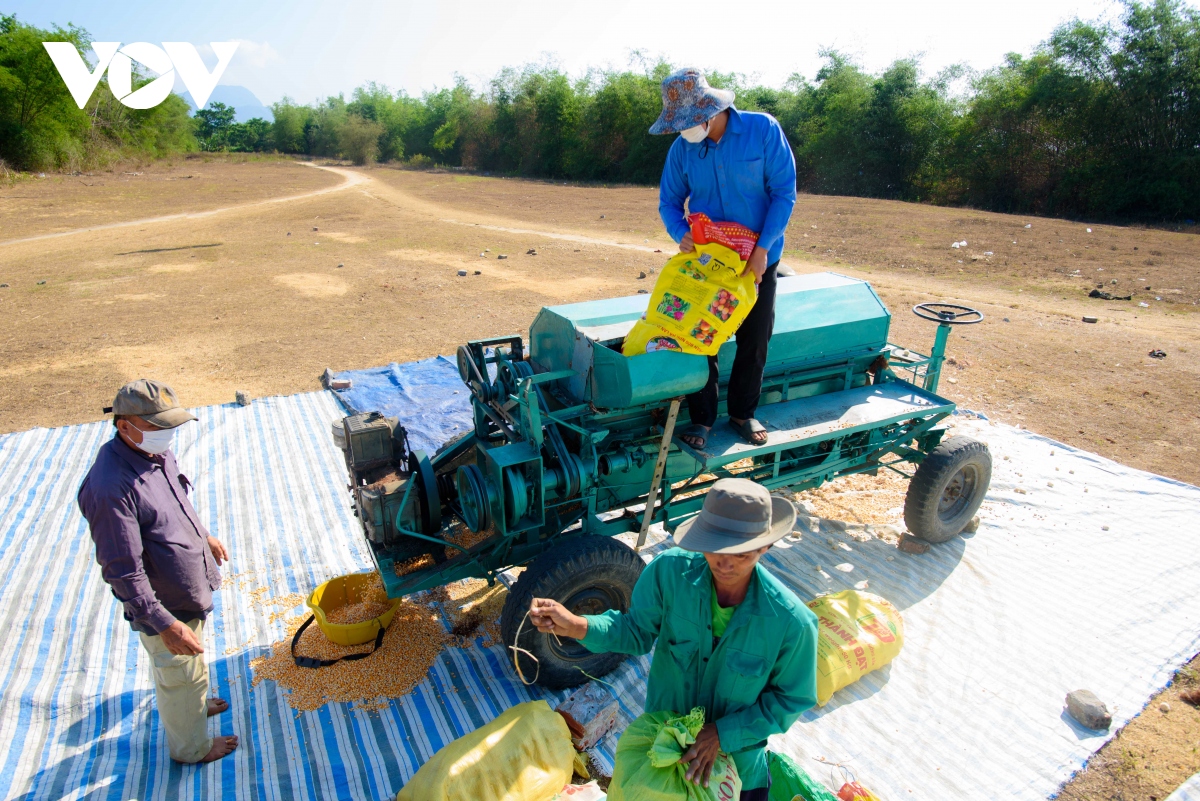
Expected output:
(734, 166)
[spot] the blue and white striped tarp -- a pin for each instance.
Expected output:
(1042, 600)
(1189, 791)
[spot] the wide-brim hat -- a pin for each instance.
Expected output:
(738, 516)
(689, 101)
(153, 401)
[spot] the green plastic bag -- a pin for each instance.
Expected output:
(790, 782)
(647, 766)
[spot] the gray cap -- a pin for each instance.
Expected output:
(738, 516)
(153, 401)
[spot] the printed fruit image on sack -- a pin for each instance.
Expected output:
(646, 766)
(857, 633)
(700, 298)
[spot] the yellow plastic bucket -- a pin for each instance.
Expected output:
(343, 591)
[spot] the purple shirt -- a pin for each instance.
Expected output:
(152, 548)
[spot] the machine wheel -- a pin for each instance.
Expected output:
(588, 575)
(947, 489)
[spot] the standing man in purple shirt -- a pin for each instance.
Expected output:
(734, 166)
(159, 560)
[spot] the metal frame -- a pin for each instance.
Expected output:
(524, 423)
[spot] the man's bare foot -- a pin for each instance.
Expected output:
(223, 745)
(216, 706)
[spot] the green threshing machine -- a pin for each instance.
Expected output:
(573, 443)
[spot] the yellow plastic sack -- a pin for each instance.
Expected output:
(523, 755)
(857, 632)
(698, 302)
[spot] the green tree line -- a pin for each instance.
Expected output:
(1101, 121)
(41, 127)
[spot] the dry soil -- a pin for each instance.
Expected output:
(220, 274)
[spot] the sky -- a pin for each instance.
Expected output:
(310, 49)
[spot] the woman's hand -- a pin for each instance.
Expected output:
(702, 755)
(551, 617)
(686, 245)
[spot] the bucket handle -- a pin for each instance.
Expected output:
(313, 662)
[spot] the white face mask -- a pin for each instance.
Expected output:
(157, 441)
(696, 134)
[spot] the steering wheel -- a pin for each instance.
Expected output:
(948, 313)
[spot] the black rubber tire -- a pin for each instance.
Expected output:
(947, 489)
(599, 574)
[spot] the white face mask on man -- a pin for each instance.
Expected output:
(157, 440)
(695, 134)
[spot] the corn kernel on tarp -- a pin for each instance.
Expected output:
(974, 703)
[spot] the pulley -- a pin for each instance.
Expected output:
(474, 497)
(516, 495)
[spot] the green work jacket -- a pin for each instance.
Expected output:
(757, 681)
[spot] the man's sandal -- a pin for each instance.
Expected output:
(694, 432)
(751, 430)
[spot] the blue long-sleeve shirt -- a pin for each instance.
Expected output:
(749, 177)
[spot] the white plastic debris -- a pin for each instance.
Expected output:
(988, 253)
(845, 567)
(1028, 225)
(1144, 305)
(1089, 230)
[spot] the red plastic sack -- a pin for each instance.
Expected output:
(738, 238)
(853, 791)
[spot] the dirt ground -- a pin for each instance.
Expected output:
(360, 268)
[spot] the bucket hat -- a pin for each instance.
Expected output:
(738, 516)
(688, 101)
(151, 400)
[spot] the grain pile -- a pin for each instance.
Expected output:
(874, 500)
(412, 565)
(458, 534)
(350, 614)
(410, 646)
(462, 536)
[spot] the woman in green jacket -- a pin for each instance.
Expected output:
(730, 636)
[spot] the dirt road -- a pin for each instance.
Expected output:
(350, 179)
(218, 274)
